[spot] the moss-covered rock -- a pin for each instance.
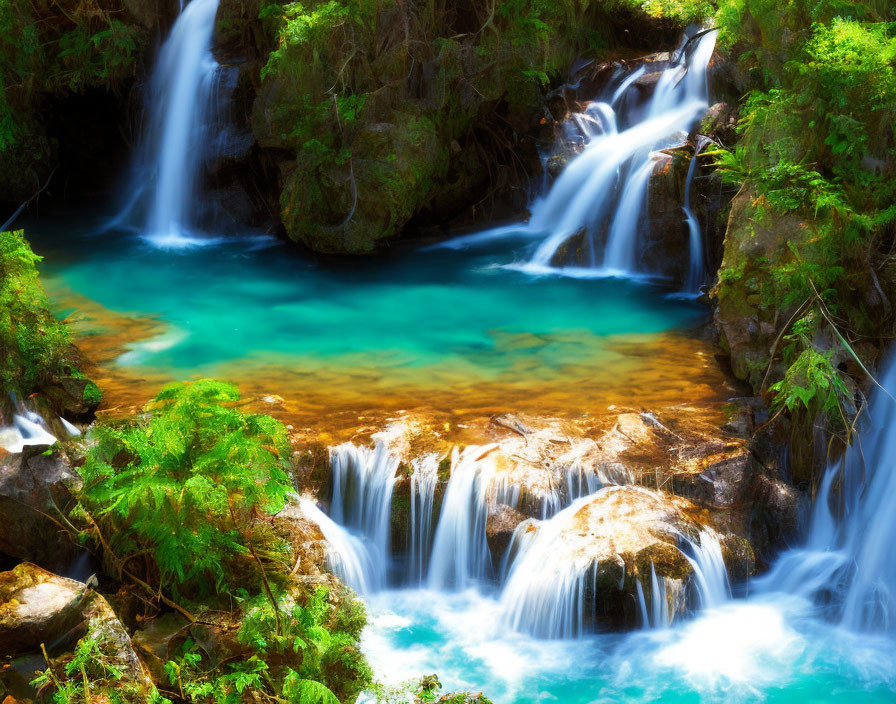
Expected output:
(86, 643)
(748, 311)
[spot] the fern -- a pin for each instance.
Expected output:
(185, 483)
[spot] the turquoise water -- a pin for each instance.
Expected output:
(770, 650)
(256, 302)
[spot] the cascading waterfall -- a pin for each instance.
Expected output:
(848, 558)
(696, 267)
(423, 488)
(584, 194)
(363, 481)
(348, 556)
(545, 590)
(25, 431)
(710, 575)
(181, 102)
(604, 189)
(460, 554)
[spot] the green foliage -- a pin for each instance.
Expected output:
(817, 140)
(34, 346)
(294, 665)
(423, 690)
(93, 672)
(92, 394)
(52, 49)
(186, 483)
(811, 384)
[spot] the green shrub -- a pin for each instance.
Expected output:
(294, 663)
(184, 486)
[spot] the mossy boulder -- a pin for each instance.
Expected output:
(748, 312)
(40, 609)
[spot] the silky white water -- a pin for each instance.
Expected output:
(602, 194)
(181, 98)
(362, 482)
(460, 554)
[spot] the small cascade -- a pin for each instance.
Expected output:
(69, 428)
(847, 563)
(363, 480)
(460, 554)
(27, 429)
(602, 193)
(710, 575)
(546, 586)
(179, 134)
(696, 267)
(657, 616)
(424, 481)
(348, 557)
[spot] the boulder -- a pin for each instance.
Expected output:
(34, 488)
(38, 608)
(747, 312)
(606, 551)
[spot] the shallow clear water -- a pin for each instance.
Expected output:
(255, 302)
(770, 649)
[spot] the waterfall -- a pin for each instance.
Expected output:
(460, 554)
(619, 254)
(26, 430)
(710, 575)
(847, 563)
(347, 555)
(423, 488)
(363, 480)
(546, 585)
(604, 189)
(658, 615)
(181, 102)
(696, 268)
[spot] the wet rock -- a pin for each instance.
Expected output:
(39, 608)
(34, 488)
(748, 321)
(499, 528)
(72, 396)
(304, 537)
(719, 476)
(720, 123)
(615, 543)
(156, 643)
